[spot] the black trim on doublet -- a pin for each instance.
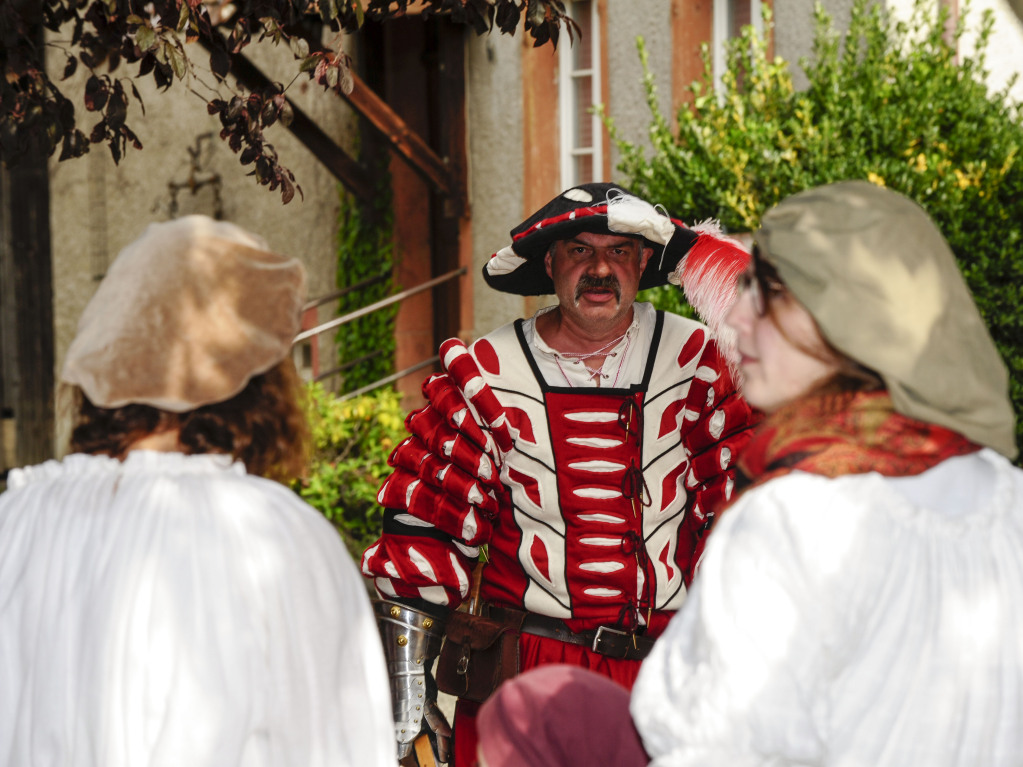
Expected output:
(642, 386)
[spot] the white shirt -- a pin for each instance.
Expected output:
(850, 622)
(623, 366)
(174, 611)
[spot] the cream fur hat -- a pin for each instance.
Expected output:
(875, 273)
(187, 314)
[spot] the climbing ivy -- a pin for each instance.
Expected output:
(365, 347)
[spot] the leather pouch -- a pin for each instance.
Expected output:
(478, 654)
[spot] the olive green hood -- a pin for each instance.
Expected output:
(881, 281)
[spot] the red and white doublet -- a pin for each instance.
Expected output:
(591, 500)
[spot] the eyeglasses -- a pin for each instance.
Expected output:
(762, 282)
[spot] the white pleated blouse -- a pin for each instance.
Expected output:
(172, 610)
(853, 622)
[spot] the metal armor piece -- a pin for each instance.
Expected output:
(411, 639)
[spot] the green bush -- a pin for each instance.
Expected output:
(351, 442)
(668, 298)
(887, 101)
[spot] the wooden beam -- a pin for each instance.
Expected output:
(26, 309)
(405, 141)
(691, 27)
(540, 136)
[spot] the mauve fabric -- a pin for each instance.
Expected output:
(559, 716)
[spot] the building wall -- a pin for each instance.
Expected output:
(1004, 54)
(793, 30)
(1005, 49)
(496, 166)
(651, 20)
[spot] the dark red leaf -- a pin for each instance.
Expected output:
(269, 113)
(220, 63)
(234, 109)
(163, 76)
(117, 108)
(95, 94)
(287, 191)
(248, 156)
(138, 97)
(66, 112)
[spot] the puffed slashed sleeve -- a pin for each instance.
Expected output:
(441, 500)
(714, 435)
(736, 678)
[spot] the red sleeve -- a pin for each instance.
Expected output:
(440, 500)
(714, 440)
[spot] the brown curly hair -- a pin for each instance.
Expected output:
(263, 426)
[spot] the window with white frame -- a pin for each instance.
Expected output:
(730, 16)
(578, 91)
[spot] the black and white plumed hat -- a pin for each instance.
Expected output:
(700, 259)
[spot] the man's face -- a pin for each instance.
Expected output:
(596, 277)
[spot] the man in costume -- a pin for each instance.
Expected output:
(584, 449)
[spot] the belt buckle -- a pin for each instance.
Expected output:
(611, 642)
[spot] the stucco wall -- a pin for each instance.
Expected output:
(794, 35)
(627, 106)
(793, 30)
(1005, 48)
(494, 120)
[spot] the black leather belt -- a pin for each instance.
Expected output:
(605, 640)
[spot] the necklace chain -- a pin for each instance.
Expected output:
(597, 373)
(602, 350)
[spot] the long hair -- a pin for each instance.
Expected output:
(263, 426)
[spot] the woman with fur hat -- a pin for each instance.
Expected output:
(161, 601)
(858, 604)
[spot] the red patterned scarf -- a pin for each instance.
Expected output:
(833, 435)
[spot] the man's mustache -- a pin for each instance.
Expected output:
(586, 282)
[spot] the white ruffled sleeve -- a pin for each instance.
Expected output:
(732, 681)
(175, 611)
(855, 621)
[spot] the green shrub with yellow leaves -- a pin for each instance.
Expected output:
(351, 440)
(889, 101)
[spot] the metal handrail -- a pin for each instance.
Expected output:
(348, 365)
(389, 379)
(351, 316)
(315, 302)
